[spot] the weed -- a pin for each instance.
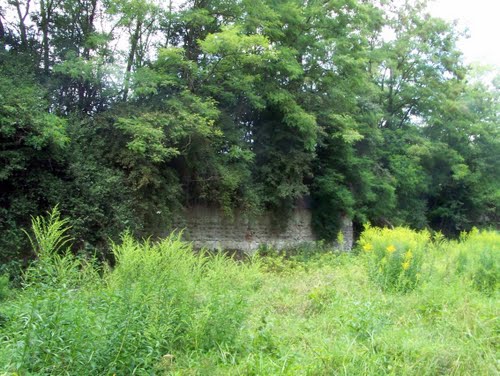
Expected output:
(4, 287)
(161, 298)
(163, 309)
(395, 256)
(479, 259)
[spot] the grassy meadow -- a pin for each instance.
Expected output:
(402, 303)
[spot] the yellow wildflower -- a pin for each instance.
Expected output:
(391, 249)
(368, 247)
(408, 255)
(406, 265)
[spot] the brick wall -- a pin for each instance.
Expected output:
(210, 228)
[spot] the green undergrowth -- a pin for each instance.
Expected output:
(163, 309)
(159, 301)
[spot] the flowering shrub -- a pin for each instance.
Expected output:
(394, 256)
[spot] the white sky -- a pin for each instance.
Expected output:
(482, 19)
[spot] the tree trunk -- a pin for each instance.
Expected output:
(44, 24)
(89, 28)
(131, 56)
(2, 30)
(169, 26)
(22, 24)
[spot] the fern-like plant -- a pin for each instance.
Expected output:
(49, 234)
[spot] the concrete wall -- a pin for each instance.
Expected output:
(209, 228)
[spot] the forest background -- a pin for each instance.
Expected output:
(124, 111)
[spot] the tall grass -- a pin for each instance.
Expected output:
(159, 301)
(163, 309)
(479, 259)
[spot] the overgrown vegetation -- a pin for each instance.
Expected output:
(76, 317)
(395, 256)
(163, 309)
(124, 111)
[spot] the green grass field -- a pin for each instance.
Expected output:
(402, 303)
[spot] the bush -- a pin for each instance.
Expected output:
(394, 256)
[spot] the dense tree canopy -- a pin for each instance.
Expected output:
(124, 111)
